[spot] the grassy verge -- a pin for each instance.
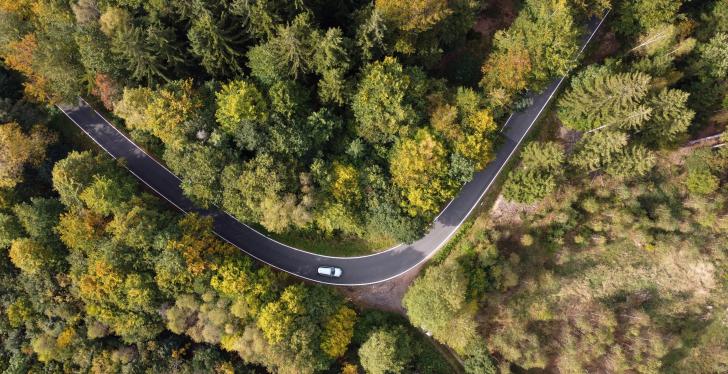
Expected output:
(334, 246)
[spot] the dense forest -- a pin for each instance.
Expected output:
(343, 119)
(97, 275)
(608, 251)
(284, 113)
(356, 121)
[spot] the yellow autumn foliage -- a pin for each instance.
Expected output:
(338, 332)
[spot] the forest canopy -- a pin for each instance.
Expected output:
(606, 251)
(333, 114)
(356, 121)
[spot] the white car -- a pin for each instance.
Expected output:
(329, 271)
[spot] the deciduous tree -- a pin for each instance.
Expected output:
(74, 173)
(417, 16)
(170, 113)
(505, 73)
(31, 256)
(418, 165)
(436, 303)
(382, 102)
(18, 149)
(338, 330)
(242, 111)
(387, 351)
(345, 183)
(281, 213)
(81, 230)
(199, 166)
(641, 15)
(86, 12)
(10, 229)
(107, 90)
(246, 186)
(545, 30)
(107, 195)
(133, 105)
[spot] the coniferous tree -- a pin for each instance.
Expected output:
(636, 16)
(539, 171)
(599, 98)
(713, 60)
(148, 53)
(217, 43)
(331, 62)
(370, 34)
(635, 161)
(597, 150)
(287, 55)
(670, 117)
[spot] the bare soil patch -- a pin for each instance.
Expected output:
(506, 212)
(606, 45)
(569, 138)
(498, 14)
(385, 295)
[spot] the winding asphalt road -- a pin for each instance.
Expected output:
(360, 270)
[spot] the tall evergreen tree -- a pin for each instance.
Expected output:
(598, 150)
(670, 117)
(150, 54)
(599, 98)
(216, 40)
(539, 170)
(634, 161)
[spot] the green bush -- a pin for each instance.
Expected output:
(701, 182)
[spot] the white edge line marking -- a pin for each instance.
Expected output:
(506, 123)
(221, 210)
(455, 230)
(548, 101)
(186, 213)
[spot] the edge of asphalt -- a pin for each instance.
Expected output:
(431, 253)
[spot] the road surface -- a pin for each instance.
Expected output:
(361, 270)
